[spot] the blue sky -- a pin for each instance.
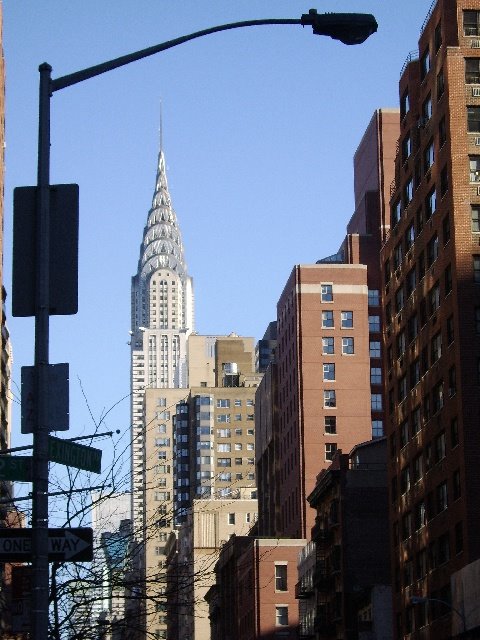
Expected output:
(259, 130)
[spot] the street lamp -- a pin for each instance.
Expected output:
(349, 28)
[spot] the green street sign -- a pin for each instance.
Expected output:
(16, 468)
(75, 455)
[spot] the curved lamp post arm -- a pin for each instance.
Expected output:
(91, 72)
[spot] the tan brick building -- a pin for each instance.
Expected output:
(432, 325)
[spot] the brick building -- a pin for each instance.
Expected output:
(431, 265)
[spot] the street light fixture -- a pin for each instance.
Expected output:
(348, 28)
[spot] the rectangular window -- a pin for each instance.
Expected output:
(431, 204)
(374, 324)
(440, 84)
(425, 64)
(373, 297)
(397, 256)
(329, 371)
(434, 298)
(411, 281)
(224, 447)
(442, 132)
(476, 269)
(475, 219)
(412, 327)
(327, 293)
(428, 156)
(281, 577)
(473, 119)
(328, 346)
(330, 424)
(472, 70)
(330, 450)
(224, 417)
(281, 616)
(223, 403)
(427, 108)
(327, 319)
(404, 104)
(347, 319)
(406, 147)
(408, 192)
(375, 375)
(471, 23)
(448, 279)
(399, 299)
(376, 401)
(442, 497)
(444, 181)
(377, 428)
(409, 236)
(231, 518)
(375, 349)
(348, 347)
(224, 433)
(329, 398)
(224, 462)
(437, 397)
(436, 348)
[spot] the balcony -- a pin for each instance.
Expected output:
(303, 591)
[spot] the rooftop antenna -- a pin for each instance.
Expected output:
(160, 130)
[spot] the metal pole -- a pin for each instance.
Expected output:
(40, 568)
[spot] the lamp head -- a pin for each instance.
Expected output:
(349, 28)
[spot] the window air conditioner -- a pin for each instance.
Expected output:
(477, 141)
(475, 44)
(476, 92)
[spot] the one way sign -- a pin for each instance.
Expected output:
(72, 545)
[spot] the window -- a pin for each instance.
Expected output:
(348, 346)
(476, 269)
(347, 319)
(376, 401)
(238, 403)
(223, 403)
(329, 398)
(377, 428)
(404, 104)
(450, 330)
(454, 439)
(416, 422)
(399, 299)
(417, 468)
(327, 293)
(446, 229)
(375, 375)
(408, 192)
(281, 616)
(440, 447)
(419, 218)
(250, 402)
(223, 447)
(440, 84)
(404, 433)
(444, 181)
(224, 462)
(428, 156)
(427, 108)
(375, 349)
(238, 446)
(397, 256)
(225, 477)
(475, 219)
(434, 298)
(373, 297)
(330, 449)
(405, 480)
(457, 485)
(328, 346)
(329, 371)
(406, 147)
(396, 212)
(281, 577)
(425, 64)
(471, 23)
(401, 344)
(250, 446)
(224, 417)
(402, 388)
(330, 424)
(473, 119)
(374, 324)
(162, 442)
(327, 319)
(437, 397)
(432, 250)
(420, 515)
(431, 204)
(436, 347)
(412, 327)
(409, 236)
(448, 279)
(411, 281)
(442, 497)
(231, 518)
(437, 37)
(472, 70)
(414, 373)
(442, 132)
(224, 433)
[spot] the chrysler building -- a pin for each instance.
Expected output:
(162, 319)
